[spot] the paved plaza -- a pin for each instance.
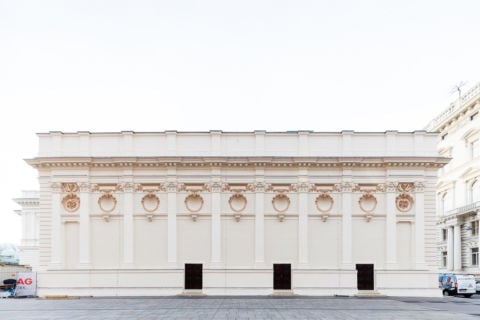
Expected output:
(204, 308)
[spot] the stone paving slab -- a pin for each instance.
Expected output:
(241, 308)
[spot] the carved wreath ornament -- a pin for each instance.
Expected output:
(324, 203)
(367, 202)
(150, 202)
(71, 202)
(107, 203)
(237, 202)
(404, 202)
(194, 202)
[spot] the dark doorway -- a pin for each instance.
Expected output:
(365, 276)
(193, 276)
(282, 276)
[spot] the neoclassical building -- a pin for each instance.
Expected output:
(29, 203)
(164, 213)
(458, 189)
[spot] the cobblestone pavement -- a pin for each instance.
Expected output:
(241, 308)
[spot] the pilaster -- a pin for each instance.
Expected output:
(128, 208)
(215, 189)
(84, 236)
(419, 226)
(259, 187)
(303, 189)
(391, 226)
(457, 248)
(347, 189)
(171, 187)
(450, 248)
(56, 244)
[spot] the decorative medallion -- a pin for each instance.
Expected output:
(71, 202)
(324, 202)
(194, 202)
(404, 202)
(150, 202)
(367, 202)
(237, 202)
(281, 202)
(107, 202)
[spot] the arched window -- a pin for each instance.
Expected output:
(446, 202)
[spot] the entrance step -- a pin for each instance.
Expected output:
(283, 293)
(193, 293)
(369, 294)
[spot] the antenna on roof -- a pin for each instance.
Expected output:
(458, 88)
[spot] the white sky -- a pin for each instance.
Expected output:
(230, 65)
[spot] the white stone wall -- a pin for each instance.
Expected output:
(322, 202)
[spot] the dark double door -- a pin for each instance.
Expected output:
(282, 276)
(365, 277)
(194, 276)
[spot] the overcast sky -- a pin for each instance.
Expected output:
(229, 65)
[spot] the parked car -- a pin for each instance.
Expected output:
(478, 286)
(457, 284)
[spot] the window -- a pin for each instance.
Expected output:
(474, 256)
(475, 191)
(474, 225)
(444, 259)
(475, 148)
(444, 234)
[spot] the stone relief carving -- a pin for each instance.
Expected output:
(238, 203)
(281, 203)
(71, 202)
(302, 187)
(324, 202)
(107, 202)
(259, 187)
(216, 186)
(404, 202)
(419, 186)
(70, 187)
(349, 187)
(368, 203)
(391, 186)
(194, 203)
(172, 186)
(150, 202)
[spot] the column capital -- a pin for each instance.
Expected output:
(128, 187)
(391, 186)
(259, 187)
(216, 186)
(56, 187)
(173, 186)
(348, 187)
(302, 187)
(84, 187)
(419, 186)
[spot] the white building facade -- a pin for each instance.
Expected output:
(304, 212)
(29, 243)
(458, 189)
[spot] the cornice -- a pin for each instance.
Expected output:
(287, 162)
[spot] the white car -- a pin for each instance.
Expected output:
(478, 286)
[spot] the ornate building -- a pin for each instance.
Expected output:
(28, 247)
(304, 212)
(458, 189)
